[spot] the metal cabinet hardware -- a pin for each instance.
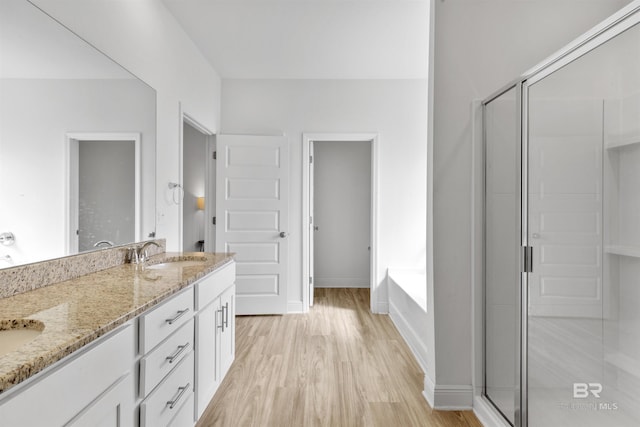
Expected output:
(172, 403)
(174, 356)
(177, 316)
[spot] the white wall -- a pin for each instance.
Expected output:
(479, 47)
(194, 147)
(396, 109)
(143, 37)
(342, 213)
(33, 182)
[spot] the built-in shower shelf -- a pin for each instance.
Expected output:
(630, 251)
(624, 362)
(621, 141)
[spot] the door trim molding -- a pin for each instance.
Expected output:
(376, 277)
(71, 208)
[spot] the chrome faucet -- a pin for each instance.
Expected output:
(103, 243)
(141, 254)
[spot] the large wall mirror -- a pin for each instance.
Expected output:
(77, 143)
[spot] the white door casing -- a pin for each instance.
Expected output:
(377, 305)
(72, 185)
(312, 225)
(252, 218)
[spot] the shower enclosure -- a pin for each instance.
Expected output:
(562, 236)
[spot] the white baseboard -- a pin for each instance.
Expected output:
(429, 387)
(294, 307)
(486, 414)
(341, 282)
(382, 307)
(419, 350)
(448, 397)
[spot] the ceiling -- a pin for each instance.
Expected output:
(309, 39)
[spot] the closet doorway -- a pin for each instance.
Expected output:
(341, 202)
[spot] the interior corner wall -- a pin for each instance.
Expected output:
(480, 46)
(395, 109)
(145, 38)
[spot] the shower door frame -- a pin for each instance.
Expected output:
(608, 29)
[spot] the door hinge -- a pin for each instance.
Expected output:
(527, 264)
(310, 159)
(213, 221)
(310, 280)
(215, 155)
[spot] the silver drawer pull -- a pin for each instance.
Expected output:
(172, 403)
(221, 325)
(174, 356)
(177, 316)
(226, 316)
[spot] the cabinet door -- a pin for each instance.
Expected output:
(73, 385)
(228, 333)
(112, 409)
(207, 343)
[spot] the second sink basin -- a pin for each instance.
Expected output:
(16, 333)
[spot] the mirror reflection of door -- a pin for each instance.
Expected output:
(104, 204)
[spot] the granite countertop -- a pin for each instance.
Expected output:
(76, 312)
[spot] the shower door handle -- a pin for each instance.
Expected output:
(527, 263)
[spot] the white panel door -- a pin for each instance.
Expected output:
(565, 226)
(252, 218)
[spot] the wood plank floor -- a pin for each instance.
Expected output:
(337, 366)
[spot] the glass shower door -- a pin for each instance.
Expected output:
(502, 232)
(583, 223)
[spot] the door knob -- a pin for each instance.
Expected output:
(283, 234)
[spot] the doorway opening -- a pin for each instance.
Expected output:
(104, 208)
(340, 213)
(199, 187)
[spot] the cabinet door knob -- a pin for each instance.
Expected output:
(283, 234)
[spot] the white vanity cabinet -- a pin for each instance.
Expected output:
(166, 341)
(93, 387)
(215, 332)
(160, 369)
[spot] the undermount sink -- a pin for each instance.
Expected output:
(16, 333)
(177, 263)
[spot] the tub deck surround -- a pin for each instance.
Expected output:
(77, 311)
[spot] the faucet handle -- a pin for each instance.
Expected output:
(132, 255)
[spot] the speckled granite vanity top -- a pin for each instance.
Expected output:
(75, 312)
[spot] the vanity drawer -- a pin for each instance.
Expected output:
(166, 356)
(165, 402)
(210, 287)
(165, 319)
